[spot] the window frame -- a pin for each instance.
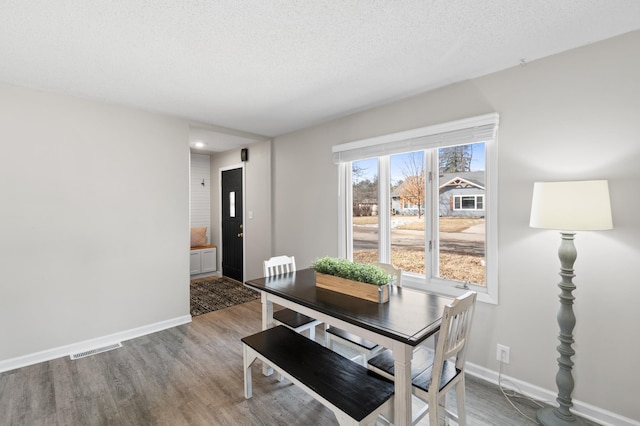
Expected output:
(487, 293)
(475, 202)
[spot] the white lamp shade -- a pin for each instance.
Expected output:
(571, 206)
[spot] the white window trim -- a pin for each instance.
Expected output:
(425, 138)
(475, 202)
(345, 219)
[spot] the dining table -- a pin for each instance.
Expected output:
(409, 318)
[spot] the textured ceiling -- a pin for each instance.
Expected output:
(269, 67)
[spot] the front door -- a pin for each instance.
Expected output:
(232, 229)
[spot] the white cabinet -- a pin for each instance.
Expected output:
(195, 263)
(203, 260)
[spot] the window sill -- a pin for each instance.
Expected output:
(445, 288)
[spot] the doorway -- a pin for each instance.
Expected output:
(232, 224)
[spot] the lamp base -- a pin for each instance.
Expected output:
(548, 417)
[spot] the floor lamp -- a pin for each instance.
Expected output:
(568, 207)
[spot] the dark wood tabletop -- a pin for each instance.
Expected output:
(410, 316)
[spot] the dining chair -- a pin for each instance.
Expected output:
(366, 349)
(289, 318)
(447, 369)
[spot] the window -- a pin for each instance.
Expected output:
(468, 202)
(364, 179)
(437, 185)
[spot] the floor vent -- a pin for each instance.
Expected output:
(95, 351)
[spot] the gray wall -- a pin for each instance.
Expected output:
(94, 221)
(568, 117)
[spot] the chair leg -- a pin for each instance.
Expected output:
(433, 416)
(434, 410)
(442, 408)
(462, 415)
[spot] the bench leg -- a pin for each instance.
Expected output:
(343, 419)
(328, 341)
(383, 415)
(248, 356)
(312, 333)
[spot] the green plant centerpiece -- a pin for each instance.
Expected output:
(361, 280)
(344, 268)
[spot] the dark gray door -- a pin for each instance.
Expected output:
(232, 229)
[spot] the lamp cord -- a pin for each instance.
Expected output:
(515, 394)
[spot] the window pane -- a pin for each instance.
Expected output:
(461, 221)
(407, 211)
(469, 203)
(364, 177)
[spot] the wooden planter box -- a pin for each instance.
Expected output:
(371, 292)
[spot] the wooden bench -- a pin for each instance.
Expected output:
(355, 394)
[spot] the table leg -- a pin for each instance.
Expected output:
(267, 322)
(402, 355)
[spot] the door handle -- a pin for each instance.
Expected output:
(240, 235)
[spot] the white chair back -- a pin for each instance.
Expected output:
(453, 335)
(279, 265)
(396, 273)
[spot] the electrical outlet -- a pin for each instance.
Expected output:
(502, 354)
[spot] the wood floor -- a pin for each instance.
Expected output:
(188, 375)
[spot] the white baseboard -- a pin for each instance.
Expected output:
(49, 354)
(588, 411)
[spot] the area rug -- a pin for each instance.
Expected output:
(212, 294)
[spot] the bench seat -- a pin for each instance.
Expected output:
(355, 394)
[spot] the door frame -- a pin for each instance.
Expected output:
(244, 208)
